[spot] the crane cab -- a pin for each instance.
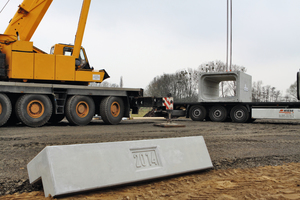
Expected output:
(81, 62)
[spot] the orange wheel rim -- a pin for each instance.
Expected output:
(0, 108)
(82, 109)
(115, 109)
(35, 109)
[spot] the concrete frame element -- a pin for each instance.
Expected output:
(209, 86)
(75, 168)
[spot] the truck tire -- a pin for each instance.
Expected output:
(197, 113)
(112, 110)
(218, 113)
(80, 110)
(5, 109)
(34, 110)
(239, 114)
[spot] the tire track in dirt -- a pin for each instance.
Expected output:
(230, 146)
(270, 182)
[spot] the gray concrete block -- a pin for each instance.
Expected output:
(76, 168)
(209, 86)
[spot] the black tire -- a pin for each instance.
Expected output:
(239, 114)
(80, 110)
(218, 114)
(112, 110)
(56, 118)
(197, 113)
(34, 110)
(5, 109)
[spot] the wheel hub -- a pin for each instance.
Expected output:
(82, 109)
(0, 108)
(239, 114)
(197, 113)
(217, 113)
(35, 109)
(115, 109)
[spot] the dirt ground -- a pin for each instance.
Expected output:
(251, 161)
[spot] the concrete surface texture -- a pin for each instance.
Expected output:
(74, 168)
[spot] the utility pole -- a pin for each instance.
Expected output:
(229, 36)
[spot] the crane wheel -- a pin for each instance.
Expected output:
(34, 110)
(218, 113)
(239, 114)
(80, 110)
(197, 113)
(112, 110)
(5, 109)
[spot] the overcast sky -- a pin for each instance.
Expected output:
(142, 39)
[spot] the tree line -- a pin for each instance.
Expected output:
(183, 85)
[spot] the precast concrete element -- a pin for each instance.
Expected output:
(76, 168)
(209, 86)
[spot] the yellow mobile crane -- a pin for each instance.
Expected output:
(36, 87)
(27, 63)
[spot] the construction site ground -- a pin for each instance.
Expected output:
(259, 160)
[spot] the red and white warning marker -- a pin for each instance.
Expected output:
(168, 103)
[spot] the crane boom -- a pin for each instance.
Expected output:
(27, 18)
(81, 27)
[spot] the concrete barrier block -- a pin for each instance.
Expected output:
(75, 168)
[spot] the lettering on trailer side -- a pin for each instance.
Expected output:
(286, 113)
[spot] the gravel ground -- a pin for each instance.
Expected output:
(231, 145)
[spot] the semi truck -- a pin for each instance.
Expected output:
(36, 87)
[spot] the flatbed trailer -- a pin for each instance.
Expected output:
(238, 108)
(237, 112)
(35, 104)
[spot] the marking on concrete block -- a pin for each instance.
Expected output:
(146, 158)
(70, 169)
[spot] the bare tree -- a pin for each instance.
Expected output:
(182, 85)
(262, 93)
(292, 92)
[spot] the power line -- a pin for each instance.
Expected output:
(4, 6)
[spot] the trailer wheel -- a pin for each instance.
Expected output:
(218, 114)
(5, 109)
(112, 110)
(239, 114)
(34, 110)
(80, 110)
(197, 113)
